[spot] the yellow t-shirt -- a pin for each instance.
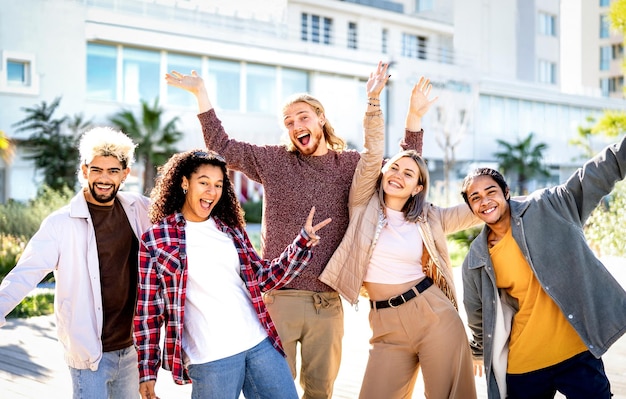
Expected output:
(540, 336)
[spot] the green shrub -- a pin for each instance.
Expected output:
(606, 227)
(36, 305)
(253, 211)
(11, 248)
(23, 219)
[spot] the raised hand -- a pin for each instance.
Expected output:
(311, 230)
(419, 103)
(191, 83)
(377, 80)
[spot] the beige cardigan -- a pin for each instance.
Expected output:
(346, 269)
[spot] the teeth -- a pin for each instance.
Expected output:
(303, 135)
(489, 210)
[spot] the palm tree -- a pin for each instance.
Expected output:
(523, 158)
(155, 142)
(52, 148)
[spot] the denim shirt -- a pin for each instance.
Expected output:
(548, 228)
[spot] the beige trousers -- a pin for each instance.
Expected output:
(425, 332)
(315, 321)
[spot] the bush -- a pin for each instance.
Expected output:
(23, 219)
(11, 248)
(253, 211)
(36, 305)
(606, 227)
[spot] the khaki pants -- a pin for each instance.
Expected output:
(428, 332)
(315, 320)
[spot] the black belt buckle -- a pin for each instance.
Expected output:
(396, 301)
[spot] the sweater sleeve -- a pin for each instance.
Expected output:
(413, 141)
(244, 157)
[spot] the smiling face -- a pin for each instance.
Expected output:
(204, 189)
(305, 129)
(104, 176)
(488, 201)
(400, 181)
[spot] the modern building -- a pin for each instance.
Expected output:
(496, 65)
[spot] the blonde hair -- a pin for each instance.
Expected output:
(105, 142)
(333, 142)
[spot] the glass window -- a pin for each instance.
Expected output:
(352, 35)
(547, 24)
(605, 58)
(315, 29)
(261, 88)
(423, 5)
(224, 84)
(141, 75)
(604, 26)
(101, 72)
(294, 81)
(18, 73)
(414, 46)
(605, 3)
(547, 72)
(183, 64)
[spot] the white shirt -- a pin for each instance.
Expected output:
(219, 319)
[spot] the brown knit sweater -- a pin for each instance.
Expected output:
(292, 184)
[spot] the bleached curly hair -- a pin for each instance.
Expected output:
(106, 142)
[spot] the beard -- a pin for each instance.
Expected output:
(103, 199)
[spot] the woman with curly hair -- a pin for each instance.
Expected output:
(199, 273)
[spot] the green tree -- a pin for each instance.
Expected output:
(155, 141)
(524, 159)
(52, 144)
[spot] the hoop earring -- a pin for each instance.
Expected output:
(185, 191)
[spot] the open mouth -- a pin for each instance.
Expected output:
(104, 187)
(304, 139)
(206, 204)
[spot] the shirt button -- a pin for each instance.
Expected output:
(570, 316)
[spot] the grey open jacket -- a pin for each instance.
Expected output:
(346, 269)
(548, 227)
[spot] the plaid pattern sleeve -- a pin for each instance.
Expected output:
(160, 299)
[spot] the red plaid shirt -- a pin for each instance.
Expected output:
(162, 284)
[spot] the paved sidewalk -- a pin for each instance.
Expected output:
(31, 362)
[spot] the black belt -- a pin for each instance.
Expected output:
(403, 298)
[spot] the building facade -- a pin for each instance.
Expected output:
(497, 66)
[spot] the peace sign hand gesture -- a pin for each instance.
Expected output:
(311, 230)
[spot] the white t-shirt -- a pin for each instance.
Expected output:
(397, 256)
(219, 319)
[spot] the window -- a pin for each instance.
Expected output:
(17, 73)
(605, 3)
(547, 72)
(316, 29)
(604, 86)
(141, 71)
(224, 84)
(605, 57)
(617, 51)
(604, 26)
(261, 88)
(101, 72)
(183, 64)
(423, 5)
(352, 35)
(293, 81)
(414, 46)
(547, 24)
(384, 39)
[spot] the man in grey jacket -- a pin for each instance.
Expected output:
(542, 308)
(91, 245)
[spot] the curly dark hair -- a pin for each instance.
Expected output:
(167, 195)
